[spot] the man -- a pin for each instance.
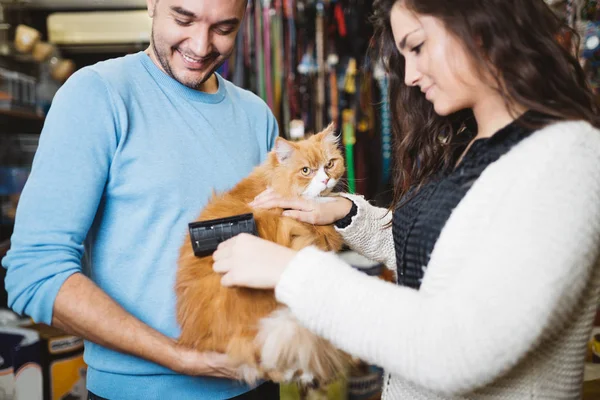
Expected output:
(130, 152)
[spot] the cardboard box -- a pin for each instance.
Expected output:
(61, 357)
(21, 372)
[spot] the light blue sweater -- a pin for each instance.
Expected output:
(127, 157)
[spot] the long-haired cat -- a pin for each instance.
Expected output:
(250, 325)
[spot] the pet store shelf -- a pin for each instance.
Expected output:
(125, 48)
(17, 121)
(85, 4)
(21, 114)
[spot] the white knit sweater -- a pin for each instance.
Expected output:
(507, 302)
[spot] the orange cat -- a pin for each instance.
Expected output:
(248, 324)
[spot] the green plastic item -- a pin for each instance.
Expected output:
(335, 391)
(349, 139)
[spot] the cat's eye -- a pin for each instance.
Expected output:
(306, 171)
(330, 164)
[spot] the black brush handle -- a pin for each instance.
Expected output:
(205, 236)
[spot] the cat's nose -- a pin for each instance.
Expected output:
(325, 180)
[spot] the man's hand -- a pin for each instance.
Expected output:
(83, 309)
(191, 362)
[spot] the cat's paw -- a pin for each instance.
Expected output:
(294, 376)
(279, 377)
(307, 379)
(249, 374)
(289, 375)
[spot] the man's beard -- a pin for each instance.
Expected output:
(164, 62)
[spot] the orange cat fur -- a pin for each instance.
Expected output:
(250, 325)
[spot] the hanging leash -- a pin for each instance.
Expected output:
(291, 60)
(248, 31)
(238, 69)
(320, 45)
(286, 50)
(277, 35)
(334, 106)
(259, 51)
(333, 61)
(365, 120)
(349, 139)
(338, 14)
(249, 63)
(266, 29)
(570, 15)
(386, 128)
(348, 124)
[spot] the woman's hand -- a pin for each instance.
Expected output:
(248, 261)
(324, 211)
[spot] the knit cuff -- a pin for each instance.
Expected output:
(347, 220)
(361, 213)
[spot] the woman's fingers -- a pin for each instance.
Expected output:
(264, 194)
(302, 216)
(280, 202)
(222, 255)
(249, 261)
(265, 197)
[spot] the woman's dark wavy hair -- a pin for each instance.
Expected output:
(518, 40)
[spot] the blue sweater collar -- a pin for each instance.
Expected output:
(166, 81)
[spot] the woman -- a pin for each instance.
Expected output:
(495, 230)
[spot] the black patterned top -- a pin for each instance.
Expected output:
(418, 222)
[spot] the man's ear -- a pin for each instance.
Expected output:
(283, 149)
(151, 7)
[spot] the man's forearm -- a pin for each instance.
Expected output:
(81, 308)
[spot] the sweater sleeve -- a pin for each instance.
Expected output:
(272, 129)
(62, 194)
(370, 232)
(518, 282)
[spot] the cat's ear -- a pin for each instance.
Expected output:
(329, 135)
(283, 149)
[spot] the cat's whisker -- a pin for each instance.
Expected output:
(342, 185)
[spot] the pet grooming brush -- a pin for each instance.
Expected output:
(206, 235)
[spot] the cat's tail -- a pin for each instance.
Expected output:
(291, 352)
